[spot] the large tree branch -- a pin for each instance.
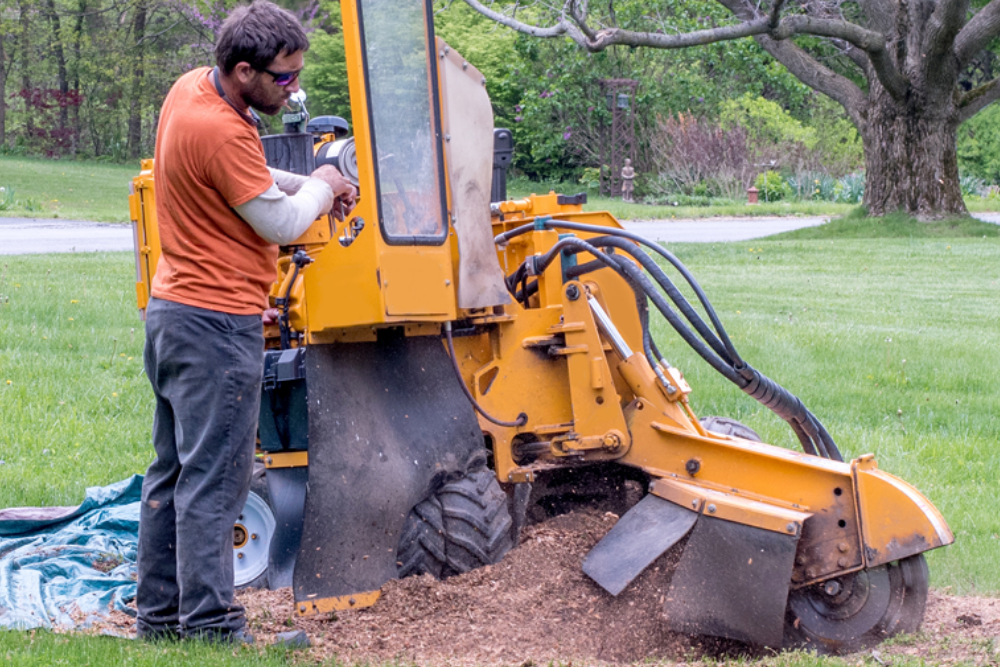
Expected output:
(978, 99)
(616, 36)
(977, 33)
(512, 23)
(769, 29)
(818, 77)
(942, 26)
(879, 14)
(872, 43)
(856, 56)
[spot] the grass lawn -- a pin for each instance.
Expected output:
(66, 189)
(44, 649)
(891, 342)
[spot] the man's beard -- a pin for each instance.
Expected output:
(257, 99)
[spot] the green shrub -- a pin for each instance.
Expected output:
(850, 189)
(765, 121)
(979, 145)
(772, 187)
(971, 185)
(590, 178)
(815, 186)
(7, 201)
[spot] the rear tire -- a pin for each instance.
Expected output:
(464, 525)
(727, 426)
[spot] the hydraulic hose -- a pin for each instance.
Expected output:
(522, 418)
(713, 346)
(502, 239)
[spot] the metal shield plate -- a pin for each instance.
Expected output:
(732, 581)
(643, 533)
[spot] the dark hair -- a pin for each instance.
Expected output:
(257, 34)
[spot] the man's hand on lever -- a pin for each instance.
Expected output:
(344, 192)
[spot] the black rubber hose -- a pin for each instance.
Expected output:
(675, 295)
(660, 250)
(811, 433)
(522, 418)
(527, 291)
(634, 276)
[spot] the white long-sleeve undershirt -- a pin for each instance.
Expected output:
(286, 209)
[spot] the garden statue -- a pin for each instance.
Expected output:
(628, 175)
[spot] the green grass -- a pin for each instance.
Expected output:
(856, 225)
(98, 191)
(66, 189)
(892, 344)
(832, 320)
(43, 649)
(74, 401)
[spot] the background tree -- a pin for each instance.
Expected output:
(548, 91)
(896, 67)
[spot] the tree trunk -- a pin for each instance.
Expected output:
(77, 40)
(911, 161)
(29, 120)
(135, 101)
(3, 94)
(57, 48)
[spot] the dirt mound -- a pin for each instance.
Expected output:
(536, 605)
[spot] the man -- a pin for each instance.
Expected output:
(220, 212)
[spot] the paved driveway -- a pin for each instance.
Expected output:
(20, 236)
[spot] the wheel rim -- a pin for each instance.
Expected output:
(845, 608)
(251, 540)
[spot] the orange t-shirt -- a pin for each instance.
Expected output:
(208, 160)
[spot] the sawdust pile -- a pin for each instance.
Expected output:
(537, 606)
(534, 606)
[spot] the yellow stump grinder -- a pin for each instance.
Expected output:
(448, 364)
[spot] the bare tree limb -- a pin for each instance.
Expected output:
(616, 36)
(770, 29)
(528, 29)
(857, 56)
(872, 43)
(879, 14)
(946, 21)
(818, 77)
(977, 33)
(579, 16)
(978, 99)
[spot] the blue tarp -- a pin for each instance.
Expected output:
(67, 567)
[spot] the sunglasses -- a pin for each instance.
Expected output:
(282, 78)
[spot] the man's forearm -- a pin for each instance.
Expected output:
(286, 181)
(280, 218)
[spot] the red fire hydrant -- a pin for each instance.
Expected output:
(752, 195)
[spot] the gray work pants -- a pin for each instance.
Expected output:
(205, 368)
